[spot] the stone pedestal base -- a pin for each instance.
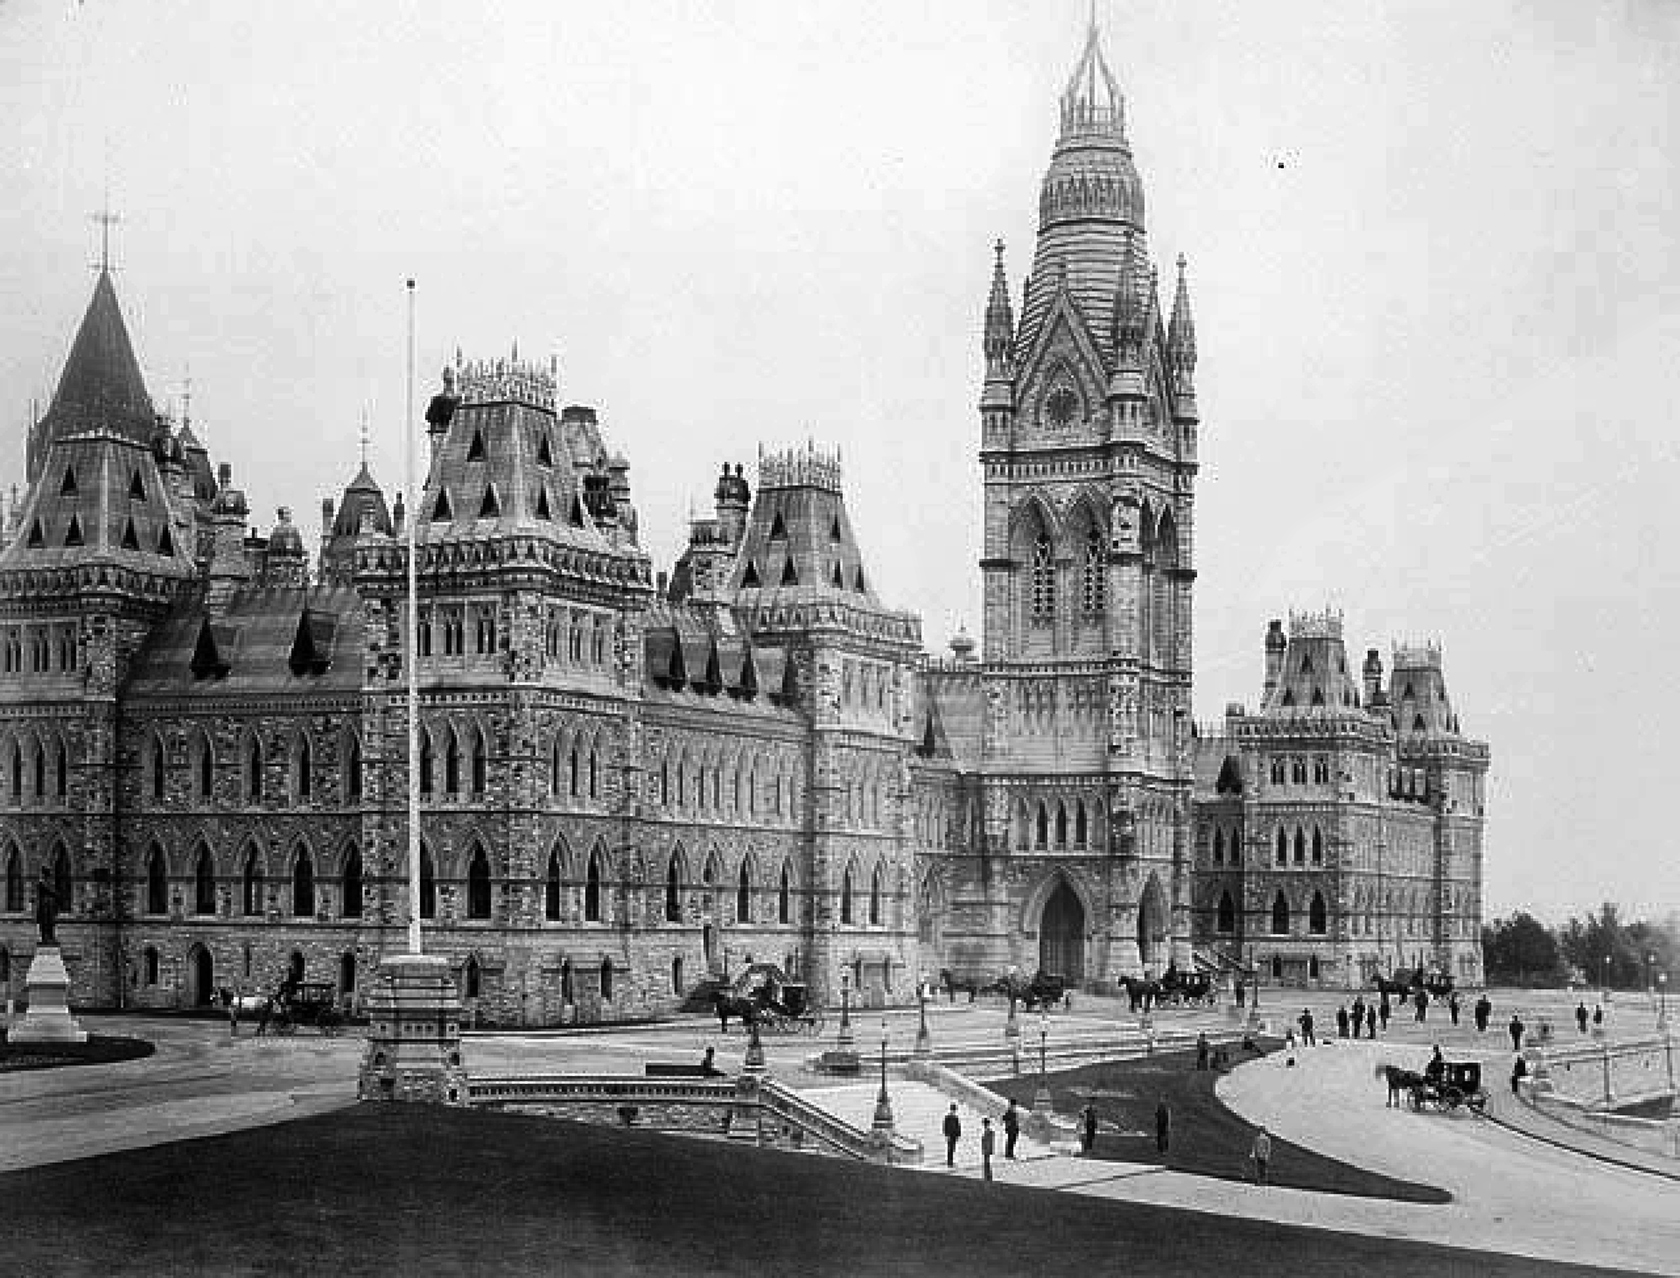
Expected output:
(413, 1050)
(48, 1019)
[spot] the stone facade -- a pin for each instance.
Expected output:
(632, 782)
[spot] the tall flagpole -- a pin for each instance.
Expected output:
(409, 652)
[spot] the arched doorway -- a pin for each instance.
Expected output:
(201, 976)
(1154, 937)
(1061, 935)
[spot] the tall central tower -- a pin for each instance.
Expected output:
(1088, 448)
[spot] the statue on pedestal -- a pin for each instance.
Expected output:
(46, 907)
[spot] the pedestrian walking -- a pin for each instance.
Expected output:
(1289, 1048)
(1384, 1012)
(988, 1139)
(1519, 1071)
(1202, 1050)
(1358, 1014)
(1581, 1016)
(1516, 1031)
(1261, 1153)
(1088, 1137)
(953, 1133)
(1011, 1128)
(1453, 1006)
(1242, 993)
(1163, 1126)
(1484, 1011)
(1598, 1016)
(1421, 1002)
(1371, 1021)
(1306, 1020)
(1342, 1021)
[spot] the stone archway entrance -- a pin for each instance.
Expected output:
(201, 977)
(1061, 935)
(1154, 934)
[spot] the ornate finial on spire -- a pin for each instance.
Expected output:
(106, 220)
(998, 250)
(364, 436)
(186, 398)
(1181, 337)
(1000, 322)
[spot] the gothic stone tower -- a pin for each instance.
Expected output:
(1088, 447)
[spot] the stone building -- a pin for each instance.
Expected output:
(633, 782)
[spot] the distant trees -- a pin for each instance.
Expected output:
(1521, 950)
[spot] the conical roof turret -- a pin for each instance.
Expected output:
(1000, 324)
(1181, 349)
(101, 385)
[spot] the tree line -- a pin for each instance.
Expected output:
(1595, 949)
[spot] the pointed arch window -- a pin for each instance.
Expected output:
(253, 769)
(673, 892)
(1081, 832)
(572, 771)
(1092, 579)
(1282, 846)
(61, 770)
(204, 882)
(40, 770)
(17, 772)
(606, 980)
(303, 884)
(1227, 919)
(551, 889)
(351, 888)
(1300, 847)
(480, 763)
(156, 769)
(743, 896)
(478, 884)
(1280, 916)
(1317, 915)
(157, 883)
(594, 772)
(303, 779)
(592, 890)
(426, 761)
(1043, 579)
(353, 767)
(1317, 846)
(62, 880)
(784, 897)
(875, 916)
(451, 762)
(14, 880)
(846, 896)
(1061, 825)
(251, 885)
(206, 761)
(1218, 846)
(428, 885)
(1043, 831)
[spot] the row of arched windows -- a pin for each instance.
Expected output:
(464, 766)
(301, 775)
(1299, 845)
(39, 650)
(1054, 823)
(577, 638)
(1295, 769)
(36, 769)
(705, 781)
(1227, 850)
(1318, 920)
(16, 897)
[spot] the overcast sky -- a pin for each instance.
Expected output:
(1432, 252)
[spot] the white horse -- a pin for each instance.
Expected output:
(242, 1004)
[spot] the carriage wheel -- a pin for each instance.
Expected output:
(1451, 1098)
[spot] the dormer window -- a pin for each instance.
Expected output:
(137, 487)
(475, 450)
(68, 487)
(778, 529)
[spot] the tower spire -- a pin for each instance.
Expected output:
(1000, 321)
(105, 219)
(1181, 333)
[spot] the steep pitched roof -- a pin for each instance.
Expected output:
(101, 383)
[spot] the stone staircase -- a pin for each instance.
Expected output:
(919, 1112)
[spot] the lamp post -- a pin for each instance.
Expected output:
(1650, 989)
(1042, 1102)
(754, 1062)
(1606, 981)
(882, 1126)
(844, 1039)
(924, 1040)
(1662, 1002)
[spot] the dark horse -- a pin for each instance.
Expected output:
(1402, 1083)
(1395, 989)
(744, 1008)
(1142, 993)
(952, 986)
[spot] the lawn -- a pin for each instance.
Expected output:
(389, 1189)
(1206, 1138)
(99, 1049)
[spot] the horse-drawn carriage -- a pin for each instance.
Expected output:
(1453, 1084)
(304, 1003)
(1405, 985)
(1175, 988)
(763, 996)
